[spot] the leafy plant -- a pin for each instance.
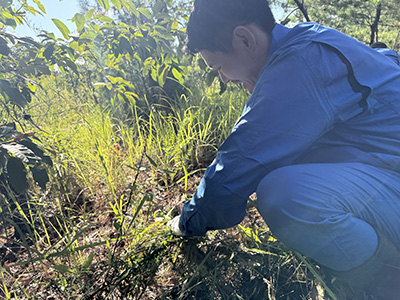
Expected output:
(21, 157)
(137, 47)
(18, 56)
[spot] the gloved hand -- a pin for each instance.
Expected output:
(174, 225)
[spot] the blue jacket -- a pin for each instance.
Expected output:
(390, 53)
(321, 97)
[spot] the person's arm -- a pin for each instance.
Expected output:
(289, 110)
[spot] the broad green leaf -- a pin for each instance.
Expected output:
(10, 22)
(163, 36)
(133, 9)
(89, 14)
(7, 132)
(10, 36)
(162, 76)
(120, 97)
(158, 7)
(69, 50)
(154, 75)
(22, 152)
(104, 19)
(177, 75)
(117, 4)
(38, 152)
(26, 93)
(202, 64)
(48, 52)
(210, 76)
(12, 94)
(75, 45)
(40, 176)
(28, 40)
(32, 86)
(40, 5)
(174, 25)
(125, 45)
(4, 50)
(47, 35)
(31, 9)
(145, 12)
(62, 27)
(72, 66)
(104, 3)
(87, 36)
(17, 175)
(125, 4)
(79, 20)
(114, 80)
(41, 69)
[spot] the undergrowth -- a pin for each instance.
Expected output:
(99, 229)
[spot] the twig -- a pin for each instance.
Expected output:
(303, 10)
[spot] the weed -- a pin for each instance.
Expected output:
(99, 231)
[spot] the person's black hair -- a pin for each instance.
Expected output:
(378, 45)
(212, 22)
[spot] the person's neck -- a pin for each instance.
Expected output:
(260, 56)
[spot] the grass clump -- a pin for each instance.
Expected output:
(99, 229)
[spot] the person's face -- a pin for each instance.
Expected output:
(231, 66)
(244, 62)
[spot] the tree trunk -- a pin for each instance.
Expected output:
(374, 26)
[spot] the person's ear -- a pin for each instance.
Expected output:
(243, 37)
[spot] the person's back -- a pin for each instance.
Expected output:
(390, 53)
(367, 96)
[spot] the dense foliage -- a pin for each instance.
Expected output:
(366, 20)
(106, 130)
(22, 159)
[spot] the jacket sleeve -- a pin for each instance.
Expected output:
(288, 110)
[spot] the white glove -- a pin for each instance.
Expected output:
(174, 225)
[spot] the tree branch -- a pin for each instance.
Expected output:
(303, 10)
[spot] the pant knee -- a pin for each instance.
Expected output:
(275, 193)
(301, 210)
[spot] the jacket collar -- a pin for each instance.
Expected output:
(278, 34)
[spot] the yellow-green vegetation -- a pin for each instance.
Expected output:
(105, 134)
(99, 228)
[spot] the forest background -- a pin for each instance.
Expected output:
(107, 128)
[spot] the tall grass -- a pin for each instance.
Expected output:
(99, 230)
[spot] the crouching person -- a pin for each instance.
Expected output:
(318, 141)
